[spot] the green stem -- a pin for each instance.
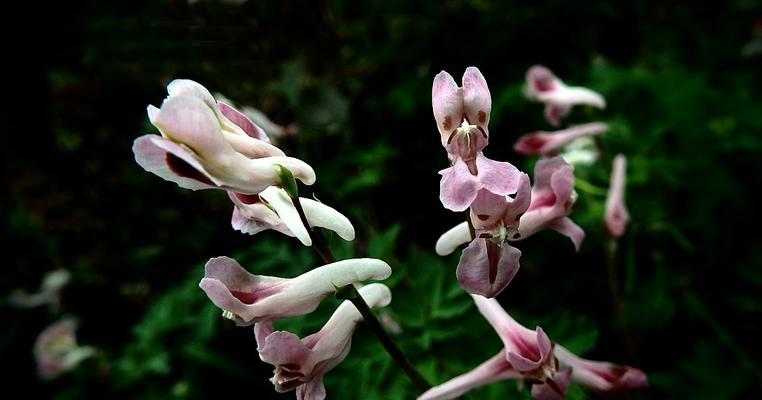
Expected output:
(610, 248)
(322, 249)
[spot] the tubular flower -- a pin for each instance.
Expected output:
(206, 144)
(273, 209)
(462, 116)
(552, 198)
(617, 217)
(531, 356)
(301, 363)
(550, 143)
(56, 349)
(544, 86)
(247, 298)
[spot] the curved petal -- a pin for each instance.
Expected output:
(541, 80)
(187, 87)
(602, 376)
(568, 228)
(458, 188)
(190, 121)
(321, 215)
(477, 102)
(548, 143)
(571, 96)
(493, 370)
(278, 199)
(453, 238)
(242, 121)
(281, 347)
(555, 112)
(554, 388)
(487, 209)
(486, 268)
(312, 390)
(500, 178)
(617, 217)
(250, 176)
(447, 102)
(171, 162)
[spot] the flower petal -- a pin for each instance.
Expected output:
(187, 87)
(190, 121)
(171, 162)
(493, 370)
(486, 268)
(601, 376)
(500, 178)
(549, 143)
(555, 112)
(568, 228)
(447, 102)
(553, 388)
(617, 217)
(453, 238)
(242, 121)
(321, 215)
(458, 188)
(477, 102)
(279, 200)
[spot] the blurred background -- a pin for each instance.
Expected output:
(684, 104)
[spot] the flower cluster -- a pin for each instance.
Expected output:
(208, 144)
(503, 208)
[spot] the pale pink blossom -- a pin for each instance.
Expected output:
(462, 115)
(550, 143)
(273, 209)
(56, 349)
(530, 356)
(617, 217)
(246, 298)
(301, 364)
(206, 144)
(49, 293)
(544, 86)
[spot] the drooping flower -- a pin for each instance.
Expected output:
(301, 363)
(552, 198)
(544, 86)
(56, 349)
(247, 298)
(617, 217)
(206, 144)
(550, 143)
(532, 357)
(273, 209)
(462, 115)
(50, 291)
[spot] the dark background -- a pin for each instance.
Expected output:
(684, 105)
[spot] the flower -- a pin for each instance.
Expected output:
(260, 119)
(207, 144)
(617, 217)
(552, 198)
(56, 349)
(50, 291)
(301, 363)
(247, 298)
(531, 356)
(462, 116)
(544, 86)
(550, 143)
(273, 209)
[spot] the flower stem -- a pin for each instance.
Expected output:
(322, 249)
(610, 248)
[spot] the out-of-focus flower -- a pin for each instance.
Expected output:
(544, 86)
(552, 199)
(246, 298)
(208, 144)
(550, 143)
(532, 357)
(301, 363)
(56, 349)
(273, 209)
(582, 151)
(50, 291)
(617, 217)
(462, 116)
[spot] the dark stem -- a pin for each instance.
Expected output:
(322, 249)
(610, 247)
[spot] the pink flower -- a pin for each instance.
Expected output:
(544, 86)
(301, 363)
(531, 356)
(247, 298)
(552, 199)
(207, 144)
(617, 217)
(56, 349)
(462, 116)
(550, 143)
(273, 209)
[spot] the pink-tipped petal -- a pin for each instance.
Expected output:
(477, 102)
(190, 121)
(242, 121)
(458, 188)
(554, 113)
(500, 178)
(617, 217)
(171, 162)
(554, 388)
(493, 370)
(550, 143)
(453, 238)
(541, 80)
(281, 347)
(486, 268)
(602, 376)
(447, 102)
(568, 228)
